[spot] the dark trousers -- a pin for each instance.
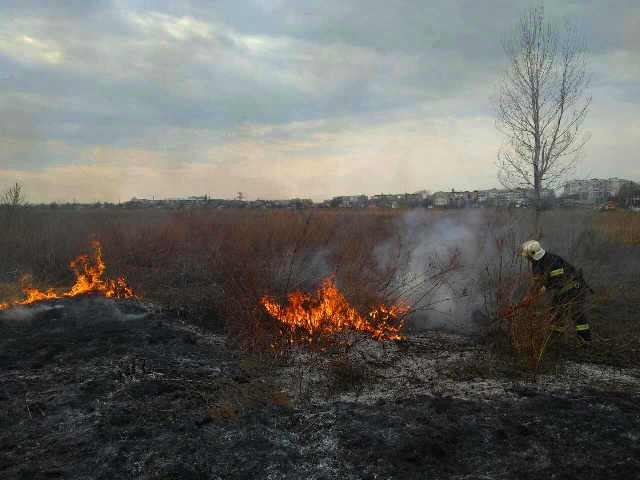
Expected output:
(570, 307)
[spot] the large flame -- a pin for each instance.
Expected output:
(89, 271)
(327, 312)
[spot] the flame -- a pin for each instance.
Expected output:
(327, 312)
(88, 271)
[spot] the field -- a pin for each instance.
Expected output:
(195, 379)
(211, 267)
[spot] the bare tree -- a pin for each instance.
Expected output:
(13, 197)
(541, 104)
(10, 202)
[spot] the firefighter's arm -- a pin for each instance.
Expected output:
(556, 276)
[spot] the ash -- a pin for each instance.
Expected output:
(100, 389)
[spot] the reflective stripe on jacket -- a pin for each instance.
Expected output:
(555, 273)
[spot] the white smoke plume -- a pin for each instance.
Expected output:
(432, 238)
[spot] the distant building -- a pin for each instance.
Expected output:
(595, 190)
(422, 195)
(519, 197)
(464, 199)
(400, 200)
(455, 199)
(291, 203)
(349, 201)
(485, 196)
(440, 199)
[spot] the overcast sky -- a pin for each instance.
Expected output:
(106, 100)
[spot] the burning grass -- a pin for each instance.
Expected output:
(317, 318)
(89, 273)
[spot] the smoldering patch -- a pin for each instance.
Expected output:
(28, 313)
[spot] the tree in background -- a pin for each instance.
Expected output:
(541, 105)
(628, 194)
(13, 197)
(10, 201)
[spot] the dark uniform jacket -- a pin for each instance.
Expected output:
(566, 284)
(554, 272)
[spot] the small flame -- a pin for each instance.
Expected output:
(88, 271)
(327, 312)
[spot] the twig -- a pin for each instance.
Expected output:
(26, 402)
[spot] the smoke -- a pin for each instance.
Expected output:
(314, 266)
(104, 309)
(85, 310)
(24, 313)
(447, 256)
(450, 304)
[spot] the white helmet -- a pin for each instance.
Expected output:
(532, 249)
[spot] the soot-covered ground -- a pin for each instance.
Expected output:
(96, 389)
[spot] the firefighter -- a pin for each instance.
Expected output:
(564, 281)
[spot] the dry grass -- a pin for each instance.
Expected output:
(10, 291)
(211, 267)
(238, 401)
(253, 389)
(623, 227)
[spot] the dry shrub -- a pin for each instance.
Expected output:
(530, 329)
(503, 276)
(519, 323)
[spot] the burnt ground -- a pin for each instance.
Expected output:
(94, 389)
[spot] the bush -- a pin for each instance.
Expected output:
(530, 329)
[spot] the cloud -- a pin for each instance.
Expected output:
(30, 49)
(294, 160)
(279, 97)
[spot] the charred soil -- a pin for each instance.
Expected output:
(101, 389)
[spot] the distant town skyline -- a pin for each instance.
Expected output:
(585, 191)
(104, 101)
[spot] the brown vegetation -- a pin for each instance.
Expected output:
(206, 265)
(621, 227)
(212, 267)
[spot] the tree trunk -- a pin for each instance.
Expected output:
(537, 198)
